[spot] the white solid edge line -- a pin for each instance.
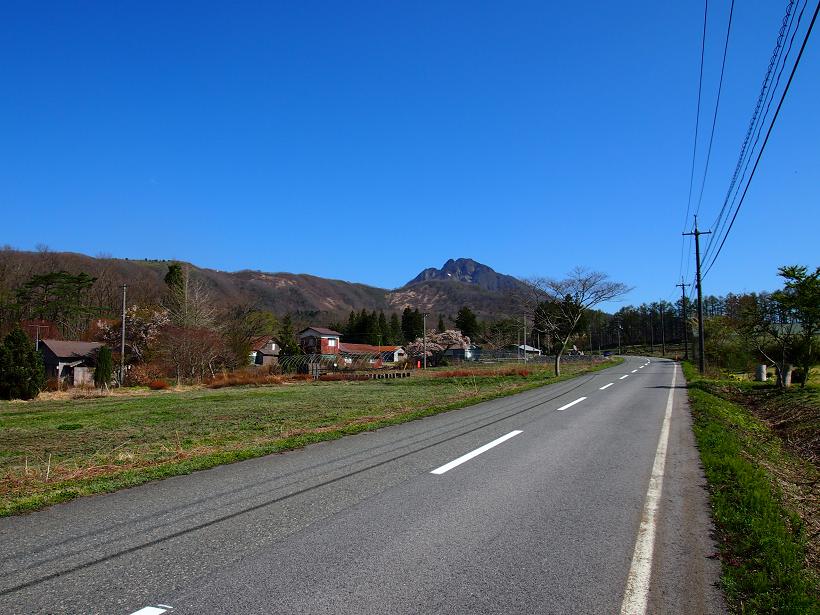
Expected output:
(640, 572)
(624, 376)
(150, 610)
(572, 403)
(606, 386)
(482, 449)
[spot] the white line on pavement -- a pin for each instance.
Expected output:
(634, 370)
(606, 386)
(640, 572)
(482, 449)
(572, 403)
(624, 376)
(151, 610)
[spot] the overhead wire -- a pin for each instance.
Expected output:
(697, 129)
(768, 133)
(717, 107)
(756, 118)
(719, 224)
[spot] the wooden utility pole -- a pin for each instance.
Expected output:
(698, 285)
(122, 339)
(685, 324)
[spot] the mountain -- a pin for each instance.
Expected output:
(313, 299)
(468, 271)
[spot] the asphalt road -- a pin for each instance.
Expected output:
(546, 520)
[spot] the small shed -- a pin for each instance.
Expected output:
(265, 351)
(70, 360)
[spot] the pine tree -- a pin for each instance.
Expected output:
(384, 330)
(22, 375)
(105, 368)
(440, 323)
(467, 323)
(396, 336)
(287, 338)
(407, 325)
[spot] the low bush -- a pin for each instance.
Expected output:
(337, 377)
(158, 385)
(243, 378)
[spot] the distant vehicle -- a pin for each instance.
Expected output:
(607, 353)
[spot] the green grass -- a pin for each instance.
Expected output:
(763, 541)
(57, 450)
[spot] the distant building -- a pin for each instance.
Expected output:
(380, 354)
(264, 351)
(467, 352)
(319, 340)
(71, 361)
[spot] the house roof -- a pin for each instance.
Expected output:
(260, 342)
(366, 348)
(71, 348)
(322, 331)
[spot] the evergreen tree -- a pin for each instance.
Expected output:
(396, 336)
(467, 323)
(105, 368)
(407, 325)
(174, 277)
(440, 323)
(384, 329)
(287, 338)
(22, 375)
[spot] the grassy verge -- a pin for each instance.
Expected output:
(755, 486)
(55, 450)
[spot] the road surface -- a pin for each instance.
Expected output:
(579, 497)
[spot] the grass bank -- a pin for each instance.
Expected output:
(763, 497)
(55, 450)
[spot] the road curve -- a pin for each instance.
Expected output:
(535, 503)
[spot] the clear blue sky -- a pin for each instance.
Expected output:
(366, 141)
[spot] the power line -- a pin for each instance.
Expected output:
(757, 124)
(768, 134)
(717, 106)
(697, 127)
(754, 122)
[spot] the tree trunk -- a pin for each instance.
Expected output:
(557, 363)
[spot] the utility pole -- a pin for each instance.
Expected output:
(698, 285)
(524, 328)
(122, 339)
(685, 325)
(663, 333)
(424, 321)
(37, 334)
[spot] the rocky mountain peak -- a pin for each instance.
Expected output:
(467, 271)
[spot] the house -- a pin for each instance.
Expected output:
(69, 360)
(529, 350)
(264, 351)
(319, 340)
(467, 352)
(380, 354)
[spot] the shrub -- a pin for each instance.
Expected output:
(158, 385)
(336, 377)
(105, 368)
(243, 378)
(142, 374)
(22, 375)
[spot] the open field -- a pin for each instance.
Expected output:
(758, 447)
(58, 449)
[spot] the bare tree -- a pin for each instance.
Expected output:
(557, 306)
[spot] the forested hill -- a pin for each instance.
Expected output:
(312, 297)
